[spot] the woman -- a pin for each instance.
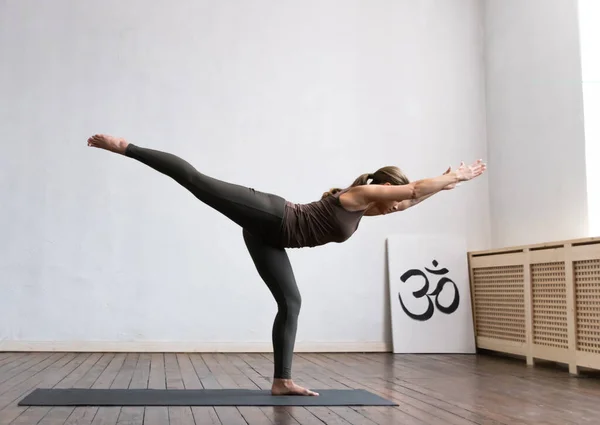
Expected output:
(271, 224)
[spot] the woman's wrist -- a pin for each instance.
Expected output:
(453, 177)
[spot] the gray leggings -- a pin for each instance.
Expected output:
(260, 215)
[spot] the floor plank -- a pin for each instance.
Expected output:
(43, 375)
(157, 415)
(430, 389)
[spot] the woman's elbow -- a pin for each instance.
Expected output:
(412, 189)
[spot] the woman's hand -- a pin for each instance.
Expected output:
(465, 173)
(451, 185)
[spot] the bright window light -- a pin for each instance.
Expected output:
(589, 30)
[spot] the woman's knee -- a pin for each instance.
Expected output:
(292, 304)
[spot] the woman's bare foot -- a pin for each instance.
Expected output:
(287, 387)
(109, 143)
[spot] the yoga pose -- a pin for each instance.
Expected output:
(271, 224)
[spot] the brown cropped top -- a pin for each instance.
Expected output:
(318, 223)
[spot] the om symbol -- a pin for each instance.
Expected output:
(433, 295)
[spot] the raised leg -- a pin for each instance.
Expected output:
(257, 211)
(274, 267)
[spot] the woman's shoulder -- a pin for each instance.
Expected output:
(350, 199)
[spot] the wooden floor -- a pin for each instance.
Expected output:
(430, 389)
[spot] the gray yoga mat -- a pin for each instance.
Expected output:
(200, 397)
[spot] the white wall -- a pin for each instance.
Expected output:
(535, 122)
(101, 252)
(589, 34)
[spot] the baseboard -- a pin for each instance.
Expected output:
(188, 347)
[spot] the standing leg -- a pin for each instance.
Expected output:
(273, 266)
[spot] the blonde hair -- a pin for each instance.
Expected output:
(388, 174)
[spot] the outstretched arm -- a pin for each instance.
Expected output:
(417, 191)
(402, 205)
(412, 202)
